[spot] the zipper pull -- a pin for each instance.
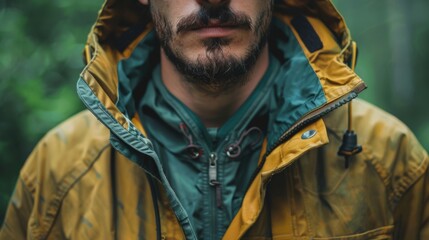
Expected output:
(213, 179)
(212, 169)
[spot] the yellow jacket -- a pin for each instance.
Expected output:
(75, 185)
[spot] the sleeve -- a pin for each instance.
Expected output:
(17, 223)
(51, 169)
(18, 213)
(412, 212)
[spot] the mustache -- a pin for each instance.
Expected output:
(224, 17)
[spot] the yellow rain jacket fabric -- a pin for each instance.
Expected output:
(96, 176)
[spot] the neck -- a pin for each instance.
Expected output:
(213, 108)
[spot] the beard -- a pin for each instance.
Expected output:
(215, 72)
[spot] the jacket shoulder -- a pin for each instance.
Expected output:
(60, 158)
(71, 143)
(387, 143)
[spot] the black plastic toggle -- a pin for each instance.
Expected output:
(349, 146)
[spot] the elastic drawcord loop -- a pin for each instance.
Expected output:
(194, 150)
(234, 150)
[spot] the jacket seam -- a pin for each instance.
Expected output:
(394, 192)
(92, 43)
(397, 191)
(61, 191)
(29, 186)
(408, 180)
(381, 171)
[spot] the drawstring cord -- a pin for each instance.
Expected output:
(114, 192)
(234, 150)
(194, 150)
(350, 147)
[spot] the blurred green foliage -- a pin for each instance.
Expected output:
(392, 37)
(41, 42)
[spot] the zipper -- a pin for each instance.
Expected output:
(215, 184)
(213, 179)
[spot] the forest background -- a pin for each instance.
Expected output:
(41, 44)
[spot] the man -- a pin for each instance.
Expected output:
(213, 119)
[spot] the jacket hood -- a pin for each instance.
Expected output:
(121, 25)
(311, 33)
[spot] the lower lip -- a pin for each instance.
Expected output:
(215, 32)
